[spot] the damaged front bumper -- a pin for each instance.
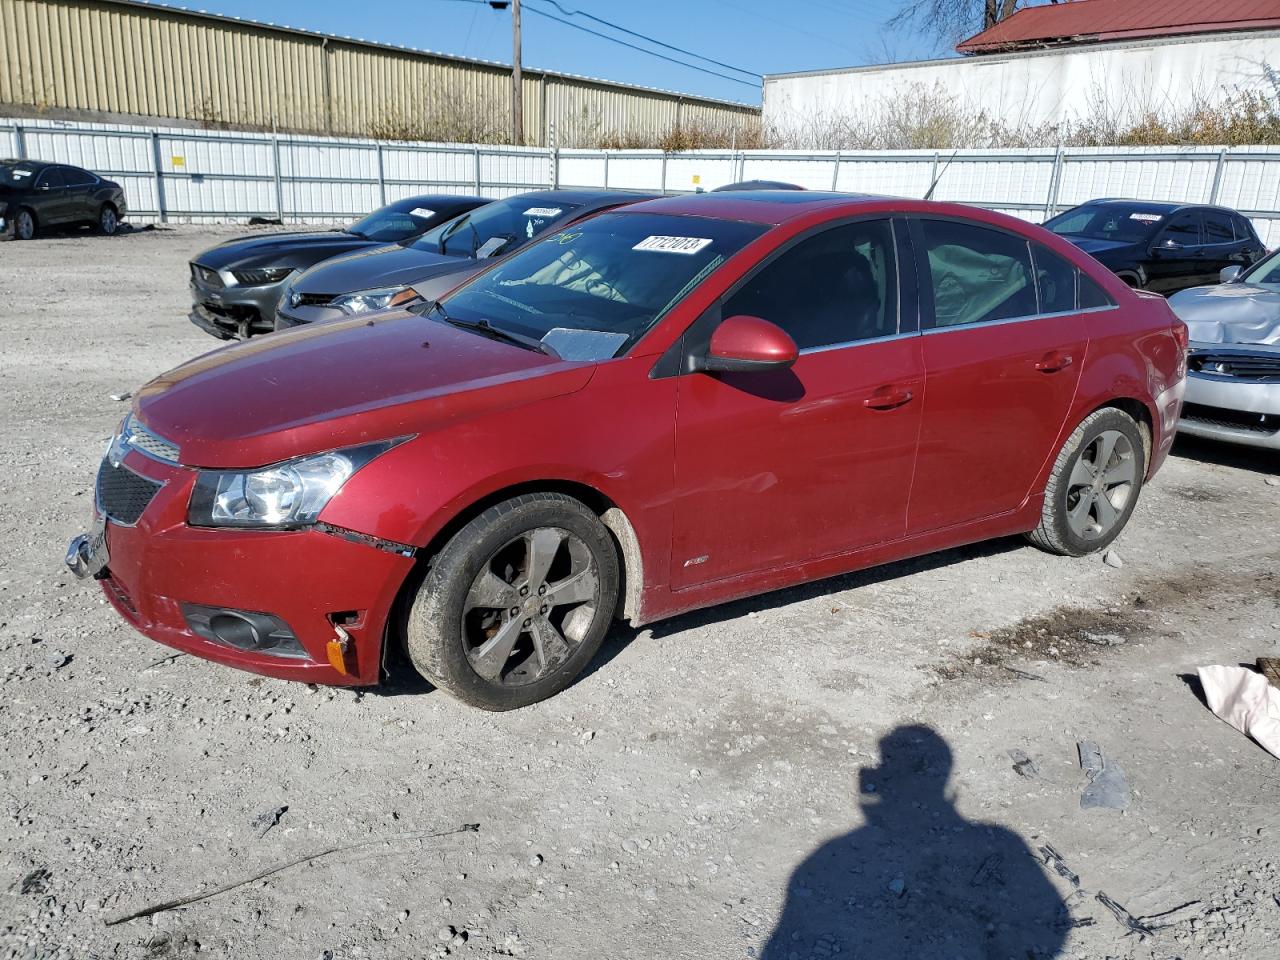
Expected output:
(310, 604)
(1233, 394)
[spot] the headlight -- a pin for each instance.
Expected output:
(257, 276)
(366, 301)
(284, 496)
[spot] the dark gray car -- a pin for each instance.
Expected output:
(1233, 368)
(236, 285)
(439, 259)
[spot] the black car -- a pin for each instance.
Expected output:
(438, 260)
(236, 285)
(1164, 247)
(35, 196)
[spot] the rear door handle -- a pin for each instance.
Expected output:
(888, 398)
(1053, 361)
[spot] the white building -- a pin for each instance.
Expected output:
(1033, 77)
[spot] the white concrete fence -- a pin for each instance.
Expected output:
(184, 175)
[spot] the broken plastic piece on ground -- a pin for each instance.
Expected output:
(1023, 765)
(1133, 924)
(1108, 787)
(1054, 858)
(266, 820)
(1246, 700)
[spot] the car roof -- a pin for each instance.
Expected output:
(1160, 206)
(755, 206)
(408, 203)
(33, 164)
(586, 197)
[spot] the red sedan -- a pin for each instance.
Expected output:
(661, 408)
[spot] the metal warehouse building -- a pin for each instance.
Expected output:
(124, 60)
(1059, 64)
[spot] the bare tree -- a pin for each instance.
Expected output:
(953, 20)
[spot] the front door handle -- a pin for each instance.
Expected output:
(1053, 361)
(888, 398)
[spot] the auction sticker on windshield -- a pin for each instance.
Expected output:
(543, 212)
(1146, 217)
(422, 212)
(672, 244)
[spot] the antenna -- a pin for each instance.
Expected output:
(928, 194)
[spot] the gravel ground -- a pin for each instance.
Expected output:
(820, 772)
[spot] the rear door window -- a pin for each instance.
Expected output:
(76, 177)
(1218, 229)
(978, 274)
(1055, 281)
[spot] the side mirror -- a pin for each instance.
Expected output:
(1230, 274)
(745, 344)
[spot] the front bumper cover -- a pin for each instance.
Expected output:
(322, 584)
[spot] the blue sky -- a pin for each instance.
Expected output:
(763, 36)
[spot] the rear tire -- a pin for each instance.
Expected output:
(24, 227)
(1093, 486)
(108, 220)
(516, 604)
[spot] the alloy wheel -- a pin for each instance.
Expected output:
(26, 226)
(530, 606)
(1102, 482)
(107, 221)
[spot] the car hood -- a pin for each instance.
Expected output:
(339, 384)
(1230, 313)
(281, 249)
(1093, 246)
(388, 266)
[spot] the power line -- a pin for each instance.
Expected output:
(646, 37)
(632, 46)
(652, 53)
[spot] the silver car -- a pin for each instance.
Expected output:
(1233, 382)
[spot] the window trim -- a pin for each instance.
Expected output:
(928, 316)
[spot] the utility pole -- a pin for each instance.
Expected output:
(517, 85)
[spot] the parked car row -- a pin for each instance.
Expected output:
(617, 407)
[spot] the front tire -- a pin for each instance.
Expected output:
(1093, 486)
(24, 228)
(517, 603)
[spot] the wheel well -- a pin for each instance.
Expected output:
(108, 203)
(1132, 279)
(1142, 416)
(617, 523)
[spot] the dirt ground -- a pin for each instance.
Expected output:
(820, 772)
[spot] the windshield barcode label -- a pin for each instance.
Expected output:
(672, 244)
(543, 212)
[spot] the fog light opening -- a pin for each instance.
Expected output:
(243, 630)
(235, 631)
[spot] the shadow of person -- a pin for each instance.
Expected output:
(918, 880)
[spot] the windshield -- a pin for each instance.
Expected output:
(1265, 272)
(17, 174)
(495, 228)
(1110, 222)
(392, 224)
(590, 291)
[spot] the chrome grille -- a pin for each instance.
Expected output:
(138, 437)
(122, 494)
(1264, 367)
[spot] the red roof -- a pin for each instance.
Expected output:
(1090, 21)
